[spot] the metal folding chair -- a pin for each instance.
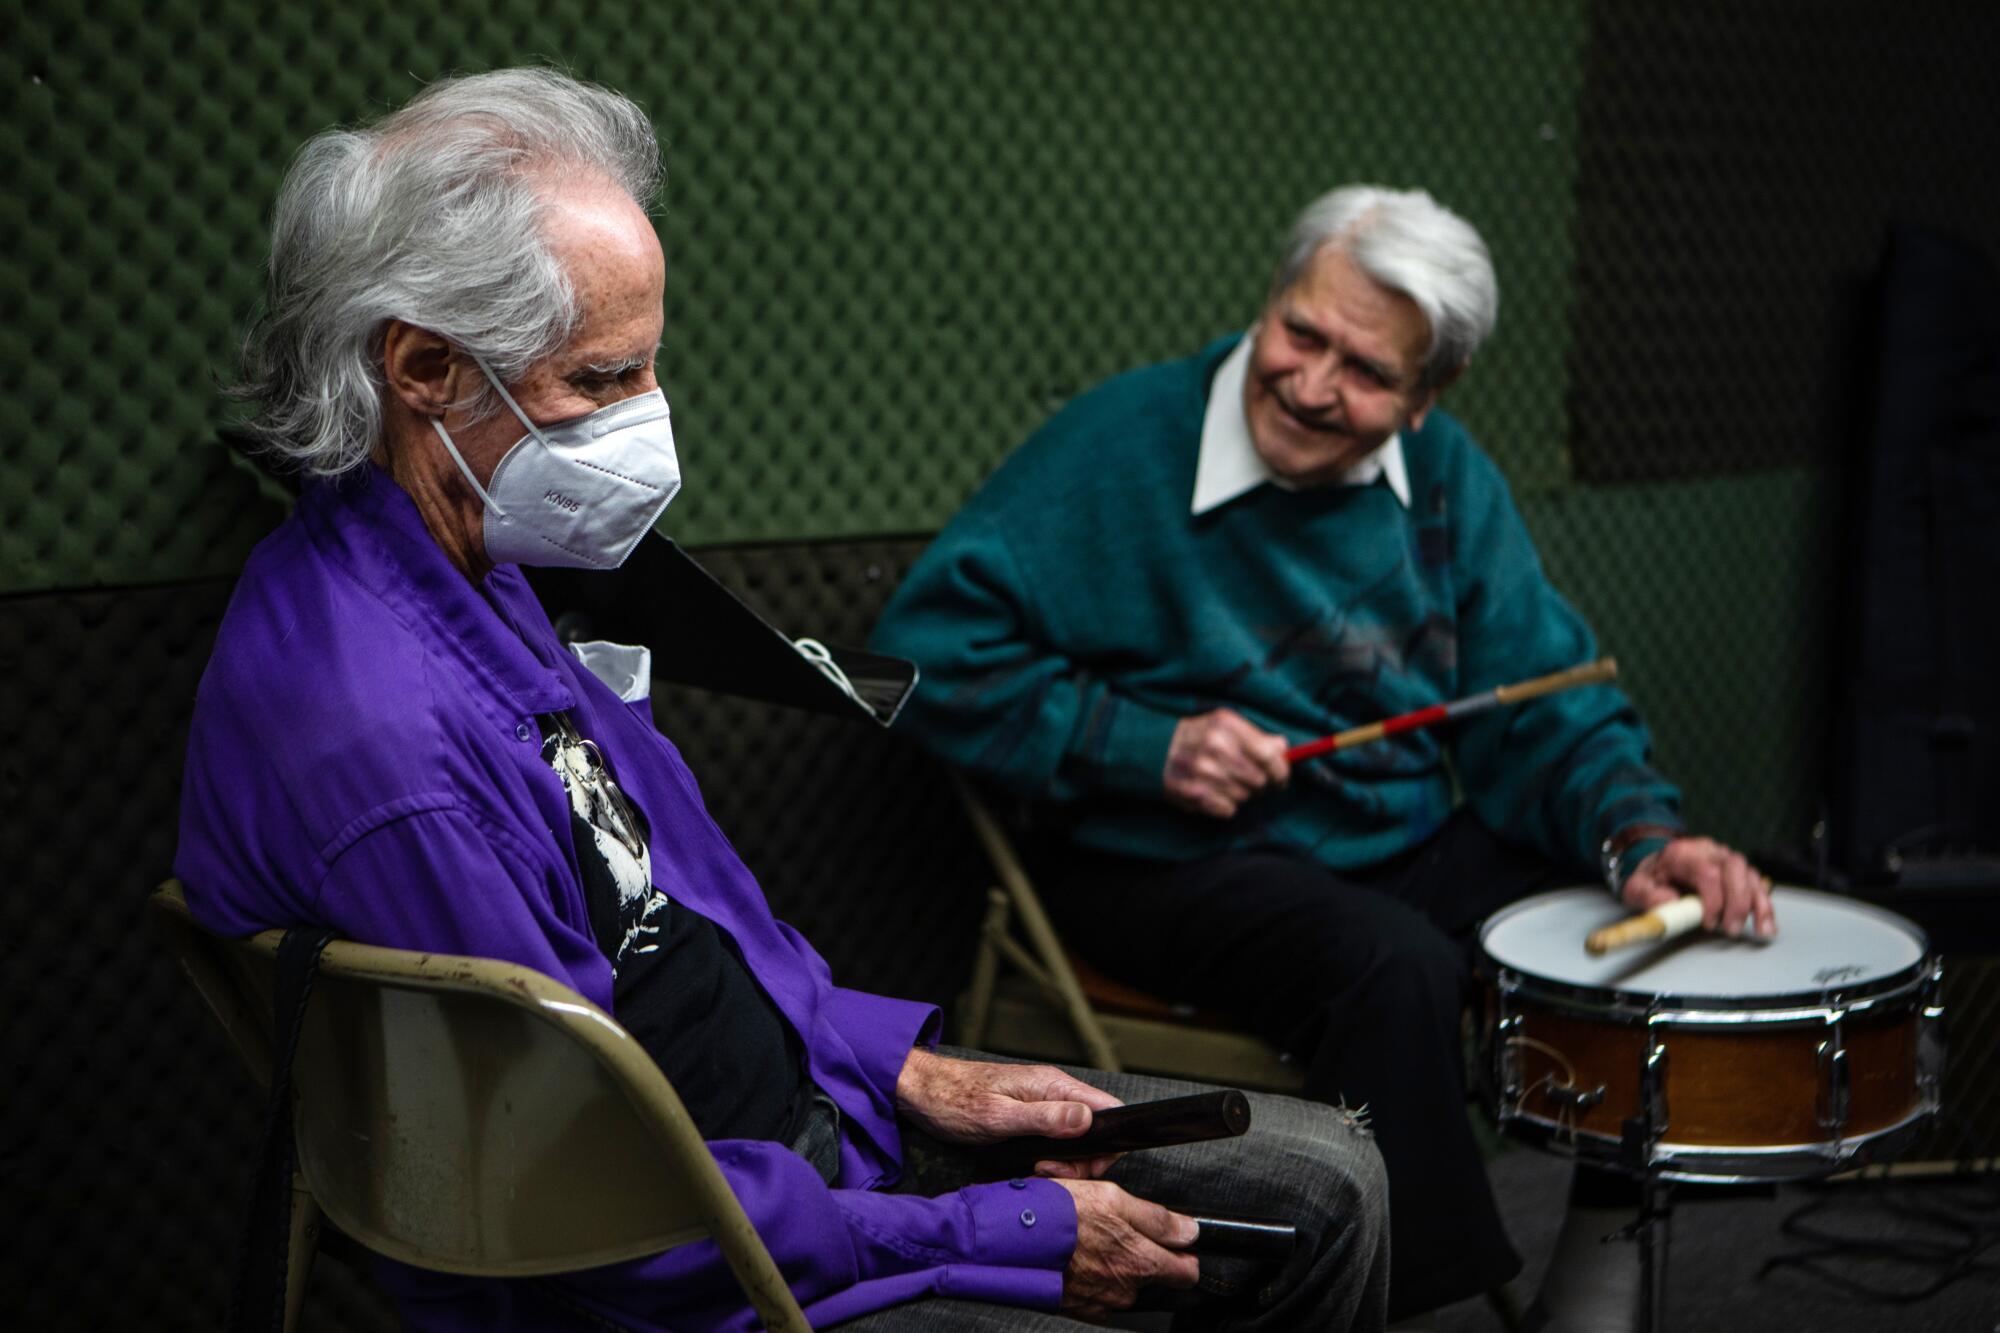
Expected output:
(471, 1116)
(1049, 1003)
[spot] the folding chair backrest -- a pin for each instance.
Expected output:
(458, 1118)
(472, 1116)
(221, 979)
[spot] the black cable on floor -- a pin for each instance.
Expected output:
(1965, 1209)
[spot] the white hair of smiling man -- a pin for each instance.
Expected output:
(432, 215)
(1408, 242)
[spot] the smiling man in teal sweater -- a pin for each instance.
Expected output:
(1199, 563)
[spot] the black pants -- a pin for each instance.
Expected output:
(1361, 975)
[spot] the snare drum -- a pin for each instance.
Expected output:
(1708, 1058)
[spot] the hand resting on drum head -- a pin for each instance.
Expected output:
(1732, 892)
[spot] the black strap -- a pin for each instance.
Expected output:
(258, 1297)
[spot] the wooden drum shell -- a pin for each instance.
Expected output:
(1748, 1085)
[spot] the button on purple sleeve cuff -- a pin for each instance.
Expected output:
(1025, 1225)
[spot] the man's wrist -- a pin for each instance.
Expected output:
(910, 1078)
(1627, 849)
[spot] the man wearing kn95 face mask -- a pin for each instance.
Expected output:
(457, 350)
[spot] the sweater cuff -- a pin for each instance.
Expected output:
(1130, 752)
(1628, 847)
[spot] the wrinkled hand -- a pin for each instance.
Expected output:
(1731, 890)
(1218, 760)
(1122, 1244)
(977, 1101)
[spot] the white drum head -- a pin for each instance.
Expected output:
(1824, 942)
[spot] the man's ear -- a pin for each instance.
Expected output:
(421, 368)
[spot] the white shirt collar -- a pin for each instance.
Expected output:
(1230, 465)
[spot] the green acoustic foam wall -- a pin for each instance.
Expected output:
(897, 234)
(1738, 168)
(1716, 597)
(1010, 202)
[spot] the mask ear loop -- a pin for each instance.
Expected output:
(508, 398)
(437, 424)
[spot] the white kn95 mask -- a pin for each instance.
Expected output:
(582, 493)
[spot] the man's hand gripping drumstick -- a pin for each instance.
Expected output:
(1218, 760)
(1690, 882)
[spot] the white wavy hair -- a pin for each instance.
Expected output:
(432, 215)
(1410, 243)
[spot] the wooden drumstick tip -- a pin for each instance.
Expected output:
(1589, 673)
(1632, 930)
(1661, 923)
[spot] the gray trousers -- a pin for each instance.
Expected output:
(1301, 1162)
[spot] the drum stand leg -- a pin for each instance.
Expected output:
(1655, 1221)
(1649, 1230)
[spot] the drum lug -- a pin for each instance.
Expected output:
(1653, 1087)
(1645, 1130)
(1931, 1041)
(1506, 1058)
(1833, 1076)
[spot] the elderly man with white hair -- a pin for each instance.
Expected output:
(458, 351)
(1200, 563)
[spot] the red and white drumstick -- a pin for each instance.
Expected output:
(1661, 923)
(1590, 673)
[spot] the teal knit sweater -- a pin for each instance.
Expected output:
(1074, 612)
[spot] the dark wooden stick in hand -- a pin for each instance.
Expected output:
(1244, 1238)
(1205, 1115)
